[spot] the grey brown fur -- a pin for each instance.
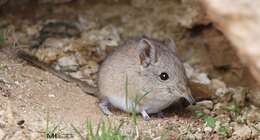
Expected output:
(143, 63)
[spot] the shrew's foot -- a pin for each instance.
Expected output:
(104, 107)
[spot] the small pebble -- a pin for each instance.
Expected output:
(208, 129)
(206, 103)
(21, 122)
(51, 95)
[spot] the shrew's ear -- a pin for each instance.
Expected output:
(148, 52)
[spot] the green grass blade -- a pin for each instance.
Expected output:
(126, 92)
(77, 132)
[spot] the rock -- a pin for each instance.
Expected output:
(240, 23)
(221, 92)
(201, 78)
(217, 84)
(68, 63)
(206, 103)
(33, 30)
(200, 91)
(81, 59)
(77, 75)
(107, 36)
(199, 83)
(90, 68)
(51, 95)
(208, 129)
(51, 49)
(242, 132)
(254, 97)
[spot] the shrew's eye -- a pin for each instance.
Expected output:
(164, 76)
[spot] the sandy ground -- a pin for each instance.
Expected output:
(33, 93)
(36, 96)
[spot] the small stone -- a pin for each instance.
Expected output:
(81, 59)
(206, 103)
(90, 68)
(21, 122)
(51, 49)
(191, 137)
(242, 132)
(107, 36)
(201, 78)
(32, 30)
(51, 95)
(200, 91)
(56, 43)
(68, 63)
(77, 75)
(208, 129)
(221, 92)
(216, 84)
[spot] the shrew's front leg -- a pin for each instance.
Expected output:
(104, 107)
(145, 115)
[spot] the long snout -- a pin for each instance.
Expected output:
(186, 94)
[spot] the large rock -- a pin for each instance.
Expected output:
(240, 21)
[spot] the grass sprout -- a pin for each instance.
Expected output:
(104, 131)
(52, 131)
(134, 105)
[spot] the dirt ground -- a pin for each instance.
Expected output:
(33, 100)
(34, 96)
